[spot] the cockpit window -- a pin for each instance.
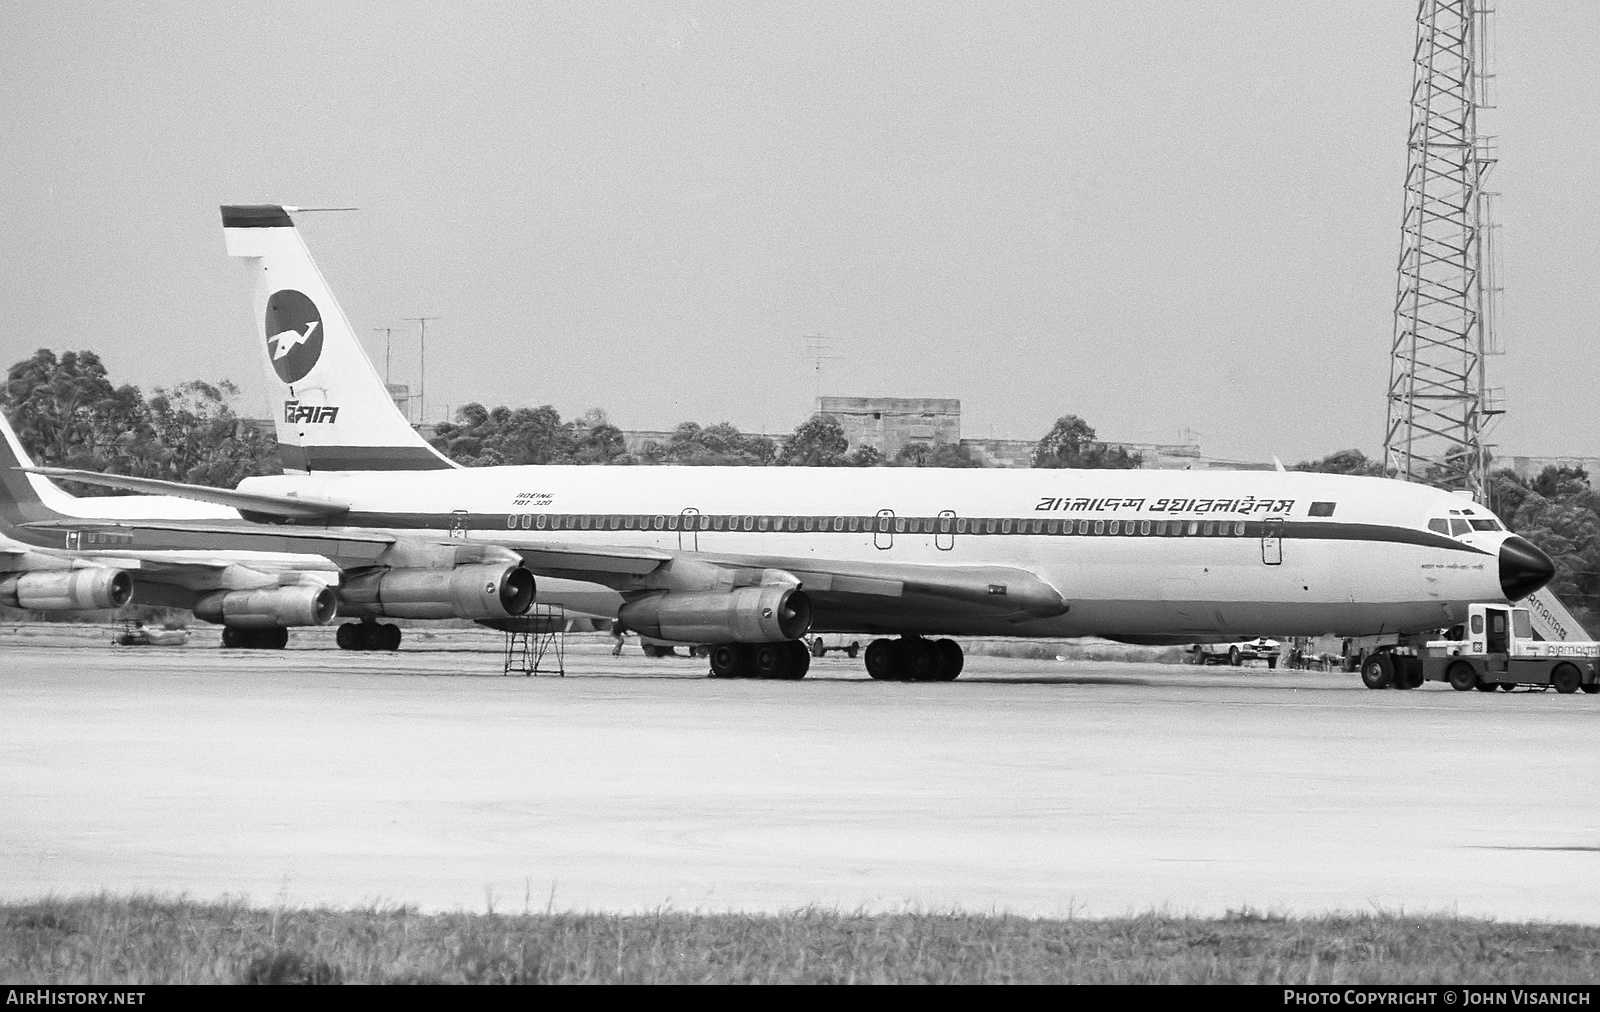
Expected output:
(1485, 525)
(1459, 527)
(1439, 526)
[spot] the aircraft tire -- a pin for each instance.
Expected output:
(730, 660)
(771, 660)
(389, 639)
(1272, 663)
(882, 663)
(1377, 672)
(920, 660)
(851, 650)
(799, 660)
(818, 648)
(1233, 657)
(951, 660)
(1463, 677)
(1566, 679)
(345, 636)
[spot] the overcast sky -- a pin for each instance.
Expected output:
(1156, 215)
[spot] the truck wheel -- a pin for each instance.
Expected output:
(1483, 686)
(1377, 672)
(1463, 676)
(1591, 688)
(1566, 679)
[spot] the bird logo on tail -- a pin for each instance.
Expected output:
(294, 329)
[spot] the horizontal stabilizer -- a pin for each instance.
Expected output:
(282, 506)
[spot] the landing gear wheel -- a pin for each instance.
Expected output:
(389, 639)
(922, 661)
(851, 650)
(770, 660)
(799, 660)
(232, 639)
(950, 660)
(881, 660)
(1234, 659)
(1463, 676)
(730, 660)
(819, 648)
(1377, 672)
(1566, 679)
(345, 636)
(1272, 663)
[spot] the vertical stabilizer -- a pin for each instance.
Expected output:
(332, 409)
(25, 497)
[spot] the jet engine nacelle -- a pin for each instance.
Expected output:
(744, 615)
(303, 604)
(67, 589)
(478, 591)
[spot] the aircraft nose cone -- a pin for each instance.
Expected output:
(1523, 568)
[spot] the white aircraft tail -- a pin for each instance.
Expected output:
(336, 413)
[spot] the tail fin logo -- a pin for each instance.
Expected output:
(294, 334)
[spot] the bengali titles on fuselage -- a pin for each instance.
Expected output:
(1246, 505)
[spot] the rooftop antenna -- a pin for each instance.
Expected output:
(388, 334)
(422, 366)
(820, 349)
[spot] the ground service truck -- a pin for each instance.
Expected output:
(1495, 648)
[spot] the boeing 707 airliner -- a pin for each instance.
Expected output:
(751, 559)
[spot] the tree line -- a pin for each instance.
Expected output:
(68, 413)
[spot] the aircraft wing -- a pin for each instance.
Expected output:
(869, 591)
(283, 507)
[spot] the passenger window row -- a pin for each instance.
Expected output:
(884, 524)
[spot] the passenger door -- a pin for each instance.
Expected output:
(883, 530)
(1272, 541)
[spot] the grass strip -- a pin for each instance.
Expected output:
(141, 940)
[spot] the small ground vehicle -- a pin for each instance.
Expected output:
(821, 643)
(652, 647)
(1238, 651)
(1496, 649)
(137, 634)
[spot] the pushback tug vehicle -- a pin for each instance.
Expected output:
(1494, 648)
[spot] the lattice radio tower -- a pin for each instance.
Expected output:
(1440, 408)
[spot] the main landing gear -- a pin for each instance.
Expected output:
(368, 635)
(760, 660)
(270, 638)
(914, 659)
